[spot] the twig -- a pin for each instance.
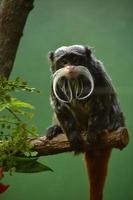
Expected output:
(13, 113)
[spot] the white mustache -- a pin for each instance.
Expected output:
(80, 70)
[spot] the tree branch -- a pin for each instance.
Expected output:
(60, 144)
(13, 15)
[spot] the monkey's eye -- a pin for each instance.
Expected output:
(63, 61)
(76, 60)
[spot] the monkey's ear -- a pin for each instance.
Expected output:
(51, 56)
(88, 51)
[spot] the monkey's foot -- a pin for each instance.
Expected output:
(76, 142)
(53, 131)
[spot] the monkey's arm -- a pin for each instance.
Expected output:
(53, 131)
(68, 125)
(105, 112)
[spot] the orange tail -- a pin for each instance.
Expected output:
(97, 164)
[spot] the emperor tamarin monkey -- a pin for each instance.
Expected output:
(84, 101)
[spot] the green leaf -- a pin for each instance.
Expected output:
(3, 106)
(27, 154)
(33, 153)
(30, 165)
(17, 103)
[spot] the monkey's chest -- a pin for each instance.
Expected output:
(80, 113)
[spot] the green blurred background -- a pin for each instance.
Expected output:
(108, 27)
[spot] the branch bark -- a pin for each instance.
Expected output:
(60, 144)
(13, 15)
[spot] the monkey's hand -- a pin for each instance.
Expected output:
(53, 131)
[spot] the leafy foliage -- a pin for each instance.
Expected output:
(15, 129)
(26, 165)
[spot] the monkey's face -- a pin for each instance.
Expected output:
(71, 77)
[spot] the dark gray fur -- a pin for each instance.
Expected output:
(99, 112)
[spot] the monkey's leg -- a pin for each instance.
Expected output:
(97, 165)
(70, 128)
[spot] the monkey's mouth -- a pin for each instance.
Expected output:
(78, 84)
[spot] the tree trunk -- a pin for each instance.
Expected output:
(13, 15)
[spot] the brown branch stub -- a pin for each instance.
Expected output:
(115, 139)
(13, 15)
(60, 144)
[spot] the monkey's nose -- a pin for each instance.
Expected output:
(70, 69)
